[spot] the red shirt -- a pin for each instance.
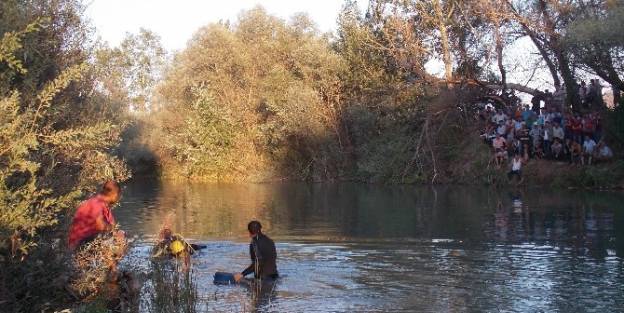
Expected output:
(577, 127)
(85, 224)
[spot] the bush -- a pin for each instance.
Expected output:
(259, 96)
(53, 148)
(615, 123)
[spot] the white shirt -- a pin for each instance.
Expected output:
(516, 164)
(499, 117)
(558, 133)
(606, 152)
(501, 130)
(589, 146)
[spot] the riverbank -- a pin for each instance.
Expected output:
(536, 173)
(472, 166)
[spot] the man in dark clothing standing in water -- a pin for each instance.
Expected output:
(263, 254)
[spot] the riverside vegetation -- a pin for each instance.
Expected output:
(261, 98)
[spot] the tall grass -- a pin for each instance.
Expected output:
(171, 290)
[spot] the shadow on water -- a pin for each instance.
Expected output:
(351, 247)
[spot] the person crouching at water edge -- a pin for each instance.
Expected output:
(263, 255)
(96, 244)
(94, 217)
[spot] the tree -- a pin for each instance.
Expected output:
(129, 73)
(57, 140)
(259, 96)
(545, 23)
(496, 22)
(430, 19)
(595, 41)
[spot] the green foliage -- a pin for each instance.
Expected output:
(130, 72)
(605, 176)
(26, 207)
(207, 134)
(57, 138)
(10, 43)
(259, 96)
(598, 27)
(595, 40)
(615, 123)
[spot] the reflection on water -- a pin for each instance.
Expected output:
(363, 248)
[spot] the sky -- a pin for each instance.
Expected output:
(176, 21)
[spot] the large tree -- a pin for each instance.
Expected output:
(57, 140)
(257, 97)
(595, 39)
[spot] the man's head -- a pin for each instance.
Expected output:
(166, 234)
(110, 192)
(254, 228)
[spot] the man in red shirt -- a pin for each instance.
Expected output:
(94, 216)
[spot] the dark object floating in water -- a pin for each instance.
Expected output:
(197, 247)
(222, 278)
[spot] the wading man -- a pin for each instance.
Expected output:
(263, 255)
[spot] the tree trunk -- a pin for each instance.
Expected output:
(549, 63)
(560, 55)
(569, 80)
(499, 54)
(617, 96)
(446, 52)
(516, 87)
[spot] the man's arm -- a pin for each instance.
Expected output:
(106, 223)
(251, 268)
(102, 225)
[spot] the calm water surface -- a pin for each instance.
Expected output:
(367, 248)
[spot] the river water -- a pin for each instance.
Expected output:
(369, 248)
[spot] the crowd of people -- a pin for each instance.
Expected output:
(547, 129)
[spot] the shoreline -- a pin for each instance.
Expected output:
(529, 182)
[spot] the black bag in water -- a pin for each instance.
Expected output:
(222, 278)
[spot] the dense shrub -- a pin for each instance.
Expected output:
(57, 137)
(256, 97)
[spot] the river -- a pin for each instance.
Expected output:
(349, 247)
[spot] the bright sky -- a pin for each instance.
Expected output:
(176, 21)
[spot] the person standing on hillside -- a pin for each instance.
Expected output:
(558, 132)
(500, 150)
(547, 138)
(94, 216)
(588, 150)
(263, 255)
(597, 87)
(582, 92)
(516, 168)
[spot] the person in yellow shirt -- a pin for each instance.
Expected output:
(174, 246)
